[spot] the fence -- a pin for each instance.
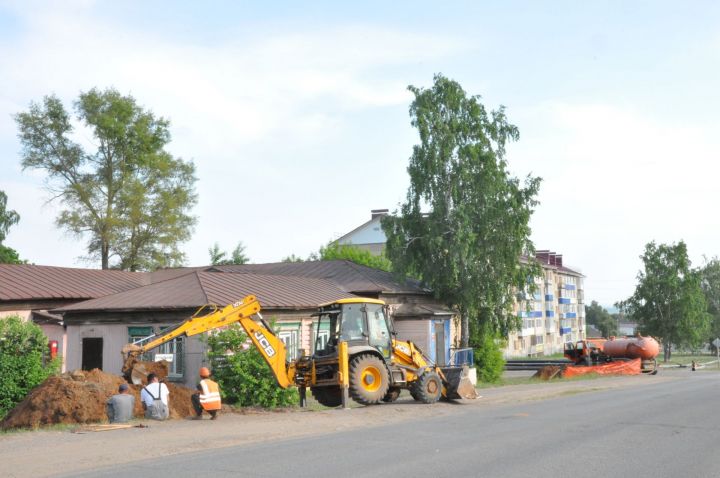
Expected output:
(460, 357)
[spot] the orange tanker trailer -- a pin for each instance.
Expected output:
(599, 351)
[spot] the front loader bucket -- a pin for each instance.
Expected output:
(457, 383)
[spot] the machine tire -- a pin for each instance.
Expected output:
(392, 394)
(369, 379)
(327, 396)
(427, 388)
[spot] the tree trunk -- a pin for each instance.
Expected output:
(464, 329)
(105, 256)
(666, 352)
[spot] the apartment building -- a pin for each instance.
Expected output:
(554, 313)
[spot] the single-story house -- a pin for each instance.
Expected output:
(96, 312)
(31, 291)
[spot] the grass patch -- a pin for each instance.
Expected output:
(686, 359)
(59, 427)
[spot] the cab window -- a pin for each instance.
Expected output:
(379, 332)
(326, 336)
(353, 325)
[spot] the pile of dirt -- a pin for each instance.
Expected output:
(79, 397)
(549, 372)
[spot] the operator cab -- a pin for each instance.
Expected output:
(581, 353)
(359, 322)
(572, 351)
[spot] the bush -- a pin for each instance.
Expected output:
(489, 359)
(334, 251)
(22, 345)
(245, 378)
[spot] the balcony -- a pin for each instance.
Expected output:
(527, 331)
(530, 314)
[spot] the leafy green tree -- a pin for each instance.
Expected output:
(489, 359)
(710, 283)
(597, 315)
(218, 257)
(22, 345)
(292, 258)
(128, 195)
(465, 223)
(8, 255)
(245, 378)
(7, 218)
(333, 251)
(668, 302)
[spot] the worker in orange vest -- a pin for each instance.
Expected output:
(207, 398)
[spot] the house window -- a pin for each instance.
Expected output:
(322, 339)
(290, 338)
(139, 335)
(176, 348)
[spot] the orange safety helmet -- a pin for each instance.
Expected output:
(204, 372)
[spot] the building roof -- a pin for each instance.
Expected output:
(45, 317)
(348, 276)
(415, 310)
(198, 288)
(30, 282)
(592, 331)
(370, 232)
(553, 260)
(279, 285)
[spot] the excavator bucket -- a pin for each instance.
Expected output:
(130, 353)
(138, 374)
(140, 370)
(457, 383)
(136, 371)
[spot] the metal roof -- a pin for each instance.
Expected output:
(415, 310)
(347, 275)
(30, 282)
(279, 285)
(199, 288)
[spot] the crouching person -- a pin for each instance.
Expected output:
(207, 398)
(121, 405)
(155, 399)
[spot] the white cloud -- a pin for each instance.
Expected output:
(615, 179)
(250, 110)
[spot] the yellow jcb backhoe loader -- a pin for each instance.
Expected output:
(354, 350)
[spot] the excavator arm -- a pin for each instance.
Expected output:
(270, 347)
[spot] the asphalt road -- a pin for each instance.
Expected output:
(669, 429)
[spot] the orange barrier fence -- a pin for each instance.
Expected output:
(631, 367)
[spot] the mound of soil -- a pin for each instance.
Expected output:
(79, 397)
(549, 372)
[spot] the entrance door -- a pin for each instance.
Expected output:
(440, 343)
(92, 353)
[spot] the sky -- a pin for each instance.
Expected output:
(296, 116)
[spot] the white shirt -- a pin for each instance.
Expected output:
(153, 389)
